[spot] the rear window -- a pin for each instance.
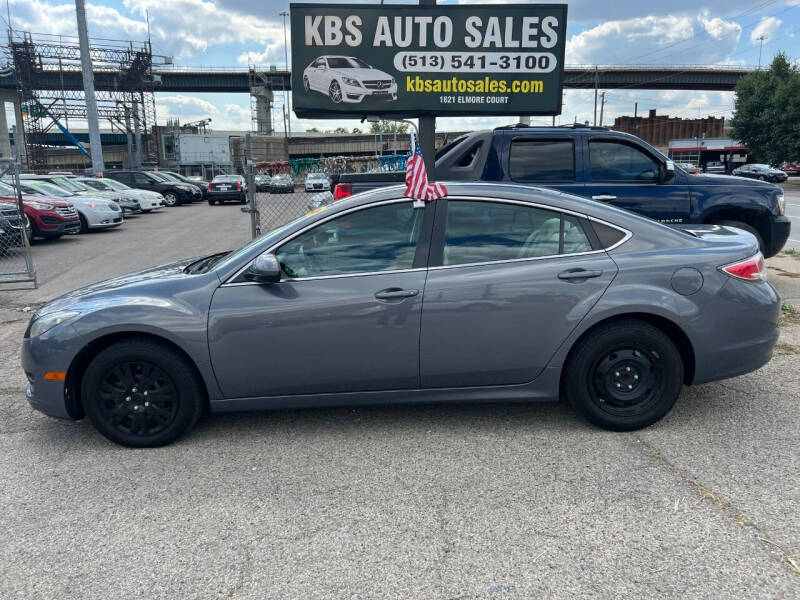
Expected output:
(542, 160)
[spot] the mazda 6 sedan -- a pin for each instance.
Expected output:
(496, 293)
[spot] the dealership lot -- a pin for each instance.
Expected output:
(463, 501)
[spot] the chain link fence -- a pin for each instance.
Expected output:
(282, 190)
(16, 263)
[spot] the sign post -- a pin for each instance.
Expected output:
(427, 130)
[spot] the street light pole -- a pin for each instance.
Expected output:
(761, 38)
(285, 14)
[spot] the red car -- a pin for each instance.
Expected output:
(791, 169)
(48, 217)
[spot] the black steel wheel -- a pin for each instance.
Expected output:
(142, 393)
(624, 375)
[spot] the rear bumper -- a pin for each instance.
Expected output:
(780, 229)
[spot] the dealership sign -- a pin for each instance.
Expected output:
(408, 60)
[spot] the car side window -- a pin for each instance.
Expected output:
(483, 231)
(617, 161)
(379, 238)
(532, 160)
(141, 179)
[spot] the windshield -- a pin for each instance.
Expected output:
(69, 184)
(343, 62)
(170, 177)
(232, 257)
(226, 178)
(6, 190)
(46, 189)
(115, 185)
(157, 176)
(96, 184)
(316, 176)
(281, 178)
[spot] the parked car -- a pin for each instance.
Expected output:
(319, 200)
(689, 167)
(174, 193)
(511, 293)
(348, 79)
(761, 172)
(14, 228)
(227, 187)
(202, 186)
(606, 165)
(93, 213)
(262, 181)
(715, 167)
(146, 200)
(70, 183)
(791, 169)
(317, 182)
(281, 184)
(47, 216)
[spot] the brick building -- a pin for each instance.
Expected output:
(658, 130)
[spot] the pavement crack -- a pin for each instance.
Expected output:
(728, 510)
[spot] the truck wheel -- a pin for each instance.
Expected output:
(142, 393)
(171, 199)
(624, 375)
(747, 228)
(211, 202)
(335, 92)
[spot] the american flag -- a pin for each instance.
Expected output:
(417, 186)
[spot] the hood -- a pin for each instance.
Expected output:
(86, 296)
(362, 74)
(57, 202)
(99, 194)
(714, 179)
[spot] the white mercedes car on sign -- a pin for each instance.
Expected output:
(348, 79)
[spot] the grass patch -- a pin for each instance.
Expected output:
(789, 315)
(791, 252)
(784, 349)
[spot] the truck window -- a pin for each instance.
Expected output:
(618, 161)
(542, 160)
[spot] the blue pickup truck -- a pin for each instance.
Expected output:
(605, 165)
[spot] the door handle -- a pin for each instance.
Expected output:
(395, 294)
(578, 274)
(604, 197)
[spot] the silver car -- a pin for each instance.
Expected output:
(94, 212)
(146, 200)
(496, 293)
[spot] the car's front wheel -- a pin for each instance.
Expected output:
(171, 199)
(335, 92)
(306, 84)
(142, 393)
(624, 375)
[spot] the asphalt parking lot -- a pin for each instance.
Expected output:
(465, 501)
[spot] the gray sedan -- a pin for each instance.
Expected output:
(498, 293)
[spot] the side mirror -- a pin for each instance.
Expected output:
(265, 269)
(667, 172)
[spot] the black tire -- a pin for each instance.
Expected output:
(167, 403)
(749, 228)
(624, 375)
(171, 199)
(84, 224)
(211, 202)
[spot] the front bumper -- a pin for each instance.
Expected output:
(780, 229)
(357, 94)
(55, 226)
(97, 218)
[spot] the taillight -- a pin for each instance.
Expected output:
(749, 269)
(342, 190)
(239, 186)
(209, 186)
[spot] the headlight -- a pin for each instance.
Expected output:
(353, 82)
(40, 205)
(47, 322)
(781, 203)
(183, 186)
(113, 206)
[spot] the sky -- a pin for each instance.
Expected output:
(238, 33)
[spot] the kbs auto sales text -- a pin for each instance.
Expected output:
(402, 32)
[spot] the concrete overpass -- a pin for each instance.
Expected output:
(232, 81)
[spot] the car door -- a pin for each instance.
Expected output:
(344, 318)
(315, 75)
(626, 175)
(513, 281)
(545, 161)
(143, 182)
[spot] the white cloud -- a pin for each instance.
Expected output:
(186, 103)
(766, 27)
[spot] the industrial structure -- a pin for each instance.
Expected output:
(44, 64)
(658, 130)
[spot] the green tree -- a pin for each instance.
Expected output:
(767, 112)
(356, 130)
(388, 127)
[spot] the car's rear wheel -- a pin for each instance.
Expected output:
(142, 393)
(335, 92)
(748, 228)
(170, 198)
(211, 202)
(624, 375)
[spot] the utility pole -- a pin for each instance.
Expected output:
(761, 38)
(427, 130)
(596, 85)
(96, 148)
(285, 14)
(602, 106)
(635, 118)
